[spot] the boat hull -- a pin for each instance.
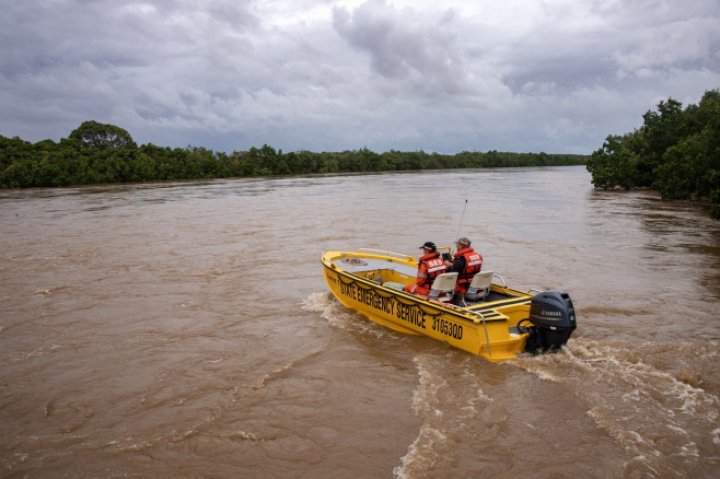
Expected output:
(360, 280)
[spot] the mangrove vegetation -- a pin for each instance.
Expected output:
(676, 151)
(102, 153)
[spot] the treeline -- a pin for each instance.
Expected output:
(100, 153)
(676, 151)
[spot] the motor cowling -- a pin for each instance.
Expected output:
(553, 317)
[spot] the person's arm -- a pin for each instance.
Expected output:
(421, 279)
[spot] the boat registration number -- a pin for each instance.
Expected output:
(448, 328)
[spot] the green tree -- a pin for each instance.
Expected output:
(676, 151)
(99, 135)
(616, 163)
(660, 131)
(102, 153)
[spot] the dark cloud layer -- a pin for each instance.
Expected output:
(329, 75)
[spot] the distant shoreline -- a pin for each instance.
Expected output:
(97, 154)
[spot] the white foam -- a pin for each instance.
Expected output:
(543, 374)
(633, 395)
(425, 396)
(316, 302)
(243, 436)
(322, 303)
(689, 450)
(678, 430)
(472, 401)
(332, 312)
(431, 441)
(421, 453)
(630, 440)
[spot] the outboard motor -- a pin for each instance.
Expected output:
(553, 317)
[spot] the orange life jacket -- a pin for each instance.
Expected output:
(473, 265)
(430, 266)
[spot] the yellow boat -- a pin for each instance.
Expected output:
(493, 320)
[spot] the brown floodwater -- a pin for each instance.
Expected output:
(184, 330)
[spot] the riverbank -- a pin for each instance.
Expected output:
(100, 154)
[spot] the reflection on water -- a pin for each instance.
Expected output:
(184, 330)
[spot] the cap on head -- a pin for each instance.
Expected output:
(429, 245)
(463, 242)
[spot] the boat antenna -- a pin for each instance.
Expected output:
(462, 217)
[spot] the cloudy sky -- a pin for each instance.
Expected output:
(329, 75)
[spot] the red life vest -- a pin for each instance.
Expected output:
(473, 265)
(430, 266)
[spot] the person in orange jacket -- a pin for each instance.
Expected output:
(466, 262)
(430, 266)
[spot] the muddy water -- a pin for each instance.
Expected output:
(183, 330)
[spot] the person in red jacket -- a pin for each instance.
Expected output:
(430, 266)
(466, 262)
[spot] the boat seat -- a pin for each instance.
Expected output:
(479, 288)
(443, 287)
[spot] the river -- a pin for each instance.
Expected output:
(184, 330)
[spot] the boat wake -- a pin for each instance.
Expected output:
(656, 402)
(338, 316)
(446, 404)
(648, 397)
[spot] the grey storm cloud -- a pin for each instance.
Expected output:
(402, 46)
(518, 75)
